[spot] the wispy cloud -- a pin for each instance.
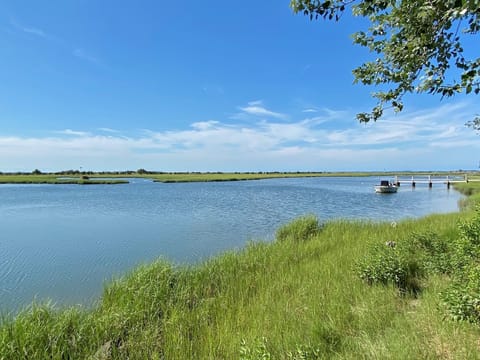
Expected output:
(257, 109)
(205, 125)
(76, 51)
(108, 130)
(35, 31)
(334, 114)
(261, 111)
(28, 29)
(213, 89)
(428, 127)
(72, 132)
(84, 55)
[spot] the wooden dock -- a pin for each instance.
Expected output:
(430, 180)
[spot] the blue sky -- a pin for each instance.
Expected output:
(204, 86)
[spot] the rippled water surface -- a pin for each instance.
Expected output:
(63, 241)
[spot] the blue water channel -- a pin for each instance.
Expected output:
(62, 242)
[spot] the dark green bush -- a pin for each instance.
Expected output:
(466, 246)
(462, 298)
(434, 251)
(393, 263)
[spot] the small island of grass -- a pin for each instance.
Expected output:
(56, 179)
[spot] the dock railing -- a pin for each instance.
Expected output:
(430, 180)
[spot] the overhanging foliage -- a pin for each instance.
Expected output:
(419, 46)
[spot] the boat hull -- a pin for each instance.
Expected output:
(386, 189)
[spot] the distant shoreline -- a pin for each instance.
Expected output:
(100, 178)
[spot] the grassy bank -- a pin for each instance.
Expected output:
(208, 177)
(472, 192)
(299, 297)
(55, 179)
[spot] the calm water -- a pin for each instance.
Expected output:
(63, 241)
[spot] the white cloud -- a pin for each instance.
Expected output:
(431, 139)
(204, 125)
(72, 132)
(261, 111)
(257, 109)
(444, 123)
(109, 130)
(335, 114)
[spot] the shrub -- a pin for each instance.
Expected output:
(466, 247)
(300, 229)
(462, 298)
(434, 251)
(393, 263)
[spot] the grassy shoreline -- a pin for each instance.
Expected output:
(56, 180)
(295, 298)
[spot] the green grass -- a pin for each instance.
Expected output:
(299, 297)
(209, 177)
(472, 191)
(56, 179)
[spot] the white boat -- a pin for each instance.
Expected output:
(386, 187)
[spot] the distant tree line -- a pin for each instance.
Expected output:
(142, 171)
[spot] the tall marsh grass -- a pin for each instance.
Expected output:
(301, 229)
